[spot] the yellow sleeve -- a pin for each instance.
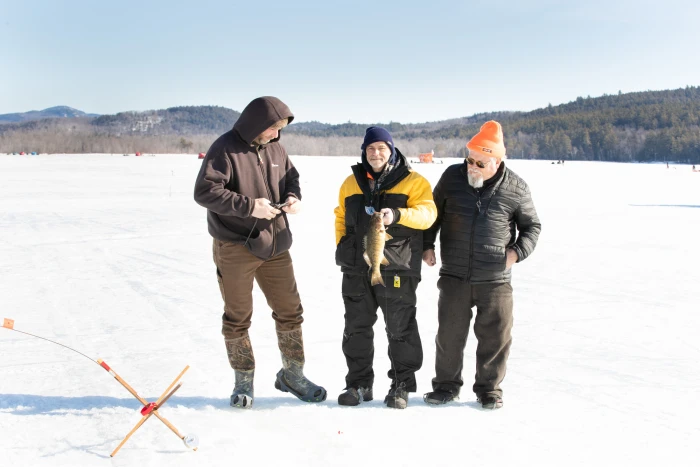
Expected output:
(421, 211)
(345, 191)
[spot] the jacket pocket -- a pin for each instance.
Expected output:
(398, 254)
(260, 243)
(345, 252)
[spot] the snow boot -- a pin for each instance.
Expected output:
(439, 397)
(353, 396)
(490, 401)
(241, 359)
(291, 377)
(242, 396)
(240, 353)
(397, 397)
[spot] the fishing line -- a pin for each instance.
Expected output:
(53, 342)
(251, 232)
(149, 408)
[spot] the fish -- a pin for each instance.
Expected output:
(374, 247)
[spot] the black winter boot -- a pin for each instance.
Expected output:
(242, 396)
(353, 396)
(397, 397)
(291, 377)
(490, 401)
(439, 397)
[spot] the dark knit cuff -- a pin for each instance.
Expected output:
(397, 215)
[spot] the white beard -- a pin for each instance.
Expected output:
(476, 181)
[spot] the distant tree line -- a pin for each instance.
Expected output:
(642, 126)
(54, 137)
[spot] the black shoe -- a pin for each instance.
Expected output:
(397, 397)
(353, 396)
(439, 397)
(491, 402)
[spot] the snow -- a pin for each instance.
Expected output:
(111, 256)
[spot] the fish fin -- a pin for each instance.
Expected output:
(377, 279)
(387, 236)
(366, 257)
(384, 261)
(364, 242)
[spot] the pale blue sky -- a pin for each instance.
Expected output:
(358, 60)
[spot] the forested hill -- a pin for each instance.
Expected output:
(641, 126)
(191, 120)
(60, 111)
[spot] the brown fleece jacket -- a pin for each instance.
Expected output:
(234, 174)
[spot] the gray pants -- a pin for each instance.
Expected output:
(492, 326)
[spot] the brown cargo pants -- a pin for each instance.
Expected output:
(492, 327)
(236, 267)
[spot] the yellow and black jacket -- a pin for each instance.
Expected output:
(403, 190)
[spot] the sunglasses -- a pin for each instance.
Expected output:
(479, 164)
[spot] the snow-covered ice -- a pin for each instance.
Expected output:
(111, 256)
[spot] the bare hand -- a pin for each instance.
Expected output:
(511, 258)
(263, 210)
(293, 205)
(429, 257)
(387, 216)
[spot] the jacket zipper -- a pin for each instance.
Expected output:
(471, 237)
(269, 196)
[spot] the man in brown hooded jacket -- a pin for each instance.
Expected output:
(248, 185)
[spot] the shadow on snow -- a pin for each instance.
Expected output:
(28, 404)
(664, 206)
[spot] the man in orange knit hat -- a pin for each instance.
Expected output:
(480, 205)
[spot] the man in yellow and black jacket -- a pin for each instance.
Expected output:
(382, 182)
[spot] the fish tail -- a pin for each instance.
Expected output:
(377, 277)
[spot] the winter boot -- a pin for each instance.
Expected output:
(242, 396)
(240, 353)
(397, 397)
(353, 396)
(291, 377)
(490, 401)
(439, 397)
(241, 359)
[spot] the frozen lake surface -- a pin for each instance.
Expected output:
(111, 256)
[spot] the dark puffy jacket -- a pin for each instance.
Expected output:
(478, 226)
(234, 174)
(405, 191)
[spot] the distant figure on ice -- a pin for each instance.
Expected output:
(243, 174)
(480, 204)
(382, 182)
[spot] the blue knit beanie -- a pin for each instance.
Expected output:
(377, 133)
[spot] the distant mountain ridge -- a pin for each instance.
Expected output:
(638, 126)
(60, 111)
(184, 121)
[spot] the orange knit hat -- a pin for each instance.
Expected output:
(489, 140)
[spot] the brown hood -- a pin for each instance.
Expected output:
(260, 115)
